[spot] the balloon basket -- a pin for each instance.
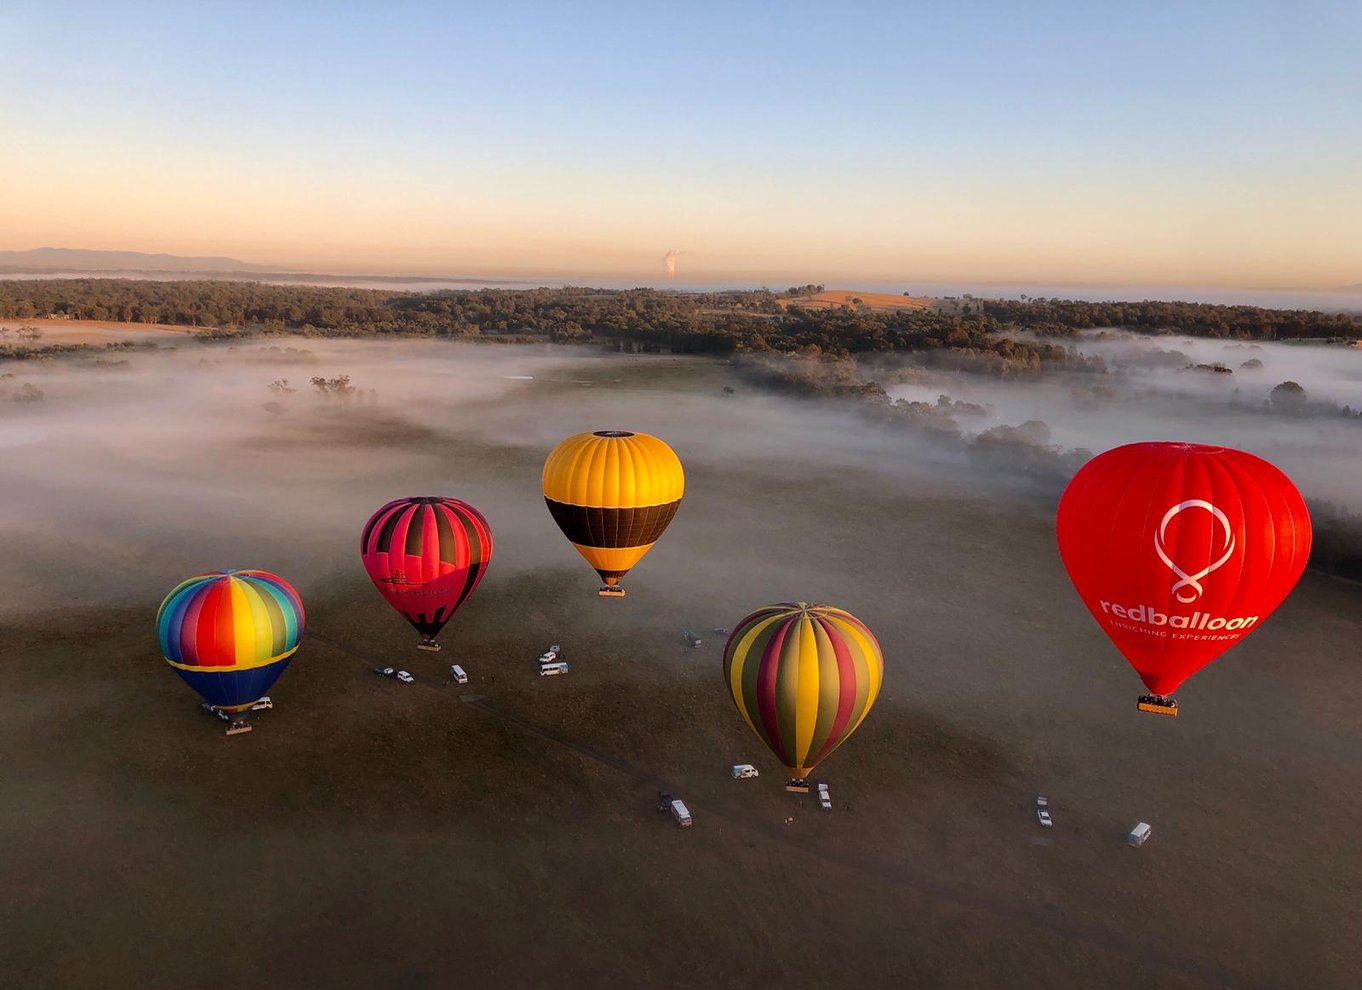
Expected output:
(237, 728)
(429, 645)
(609, 591)
(1158, 705)
(796, 786)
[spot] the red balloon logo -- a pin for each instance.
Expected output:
(1179, 550)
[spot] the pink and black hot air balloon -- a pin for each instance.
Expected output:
(425, 556)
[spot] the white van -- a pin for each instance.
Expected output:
(1139, 834)
(681, 813)
(741, 771)
(549, 669)
(458, 674)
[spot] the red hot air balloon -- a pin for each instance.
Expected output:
(425, 556)
(1179, 550)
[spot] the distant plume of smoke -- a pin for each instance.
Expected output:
(669, 261)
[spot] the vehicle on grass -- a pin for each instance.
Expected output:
(741, 771)
(692, 640)
(824, 798)
(719, 631)
(386, 671)
(679, 812)
(550, 669)
(1139, 834)
(1043, 817)
(404, 677)
(1042, 801)
(458, 673)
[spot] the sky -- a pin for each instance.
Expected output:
(1215, 143)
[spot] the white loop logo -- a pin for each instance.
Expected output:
(1190, 584)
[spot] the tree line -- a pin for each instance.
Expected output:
(647, 319)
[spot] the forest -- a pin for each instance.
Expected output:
(649, 319)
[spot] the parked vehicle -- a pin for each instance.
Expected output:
(824, 798)
(555, 649)
(457, 672)
(385, 671)
(549, 669)
(719, 631)
(679, 812)
(548, 657)
(1139, 834)
(692, 640)
(1043, 817)
(404, 677)
(1042, 801)
(742, 771)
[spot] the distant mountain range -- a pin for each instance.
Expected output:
(80, 260)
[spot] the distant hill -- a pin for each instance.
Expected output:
(876, 301)
(80, 260)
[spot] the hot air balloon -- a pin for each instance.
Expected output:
(803, 677)
(230, 635)
(1179, 550)
(612, 493)
(425, 556)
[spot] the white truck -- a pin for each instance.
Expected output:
(679, 812)
(824, 798)
(1139, 834)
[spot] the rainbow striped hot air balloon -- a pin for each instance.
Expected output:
(230, 635)
(804, 677)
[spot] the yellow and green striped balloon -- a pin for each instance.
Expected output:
(804, 677)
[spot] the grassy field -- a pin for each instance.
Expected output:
(503, 832)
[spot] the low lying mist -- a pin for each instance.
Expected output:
(1175, 388)
(123, 473)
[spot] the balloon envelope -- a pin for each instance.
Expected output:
(230, 634)
(425, 556)
(612, 493)
(1179, 550)
(804, 677)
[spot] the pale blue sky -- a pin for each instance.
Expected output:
(1185, 141)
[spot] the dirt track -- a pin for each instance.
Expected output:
(369, 833)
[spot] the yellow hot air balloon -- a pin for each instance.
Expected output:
(612, 493)
(804, 677)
